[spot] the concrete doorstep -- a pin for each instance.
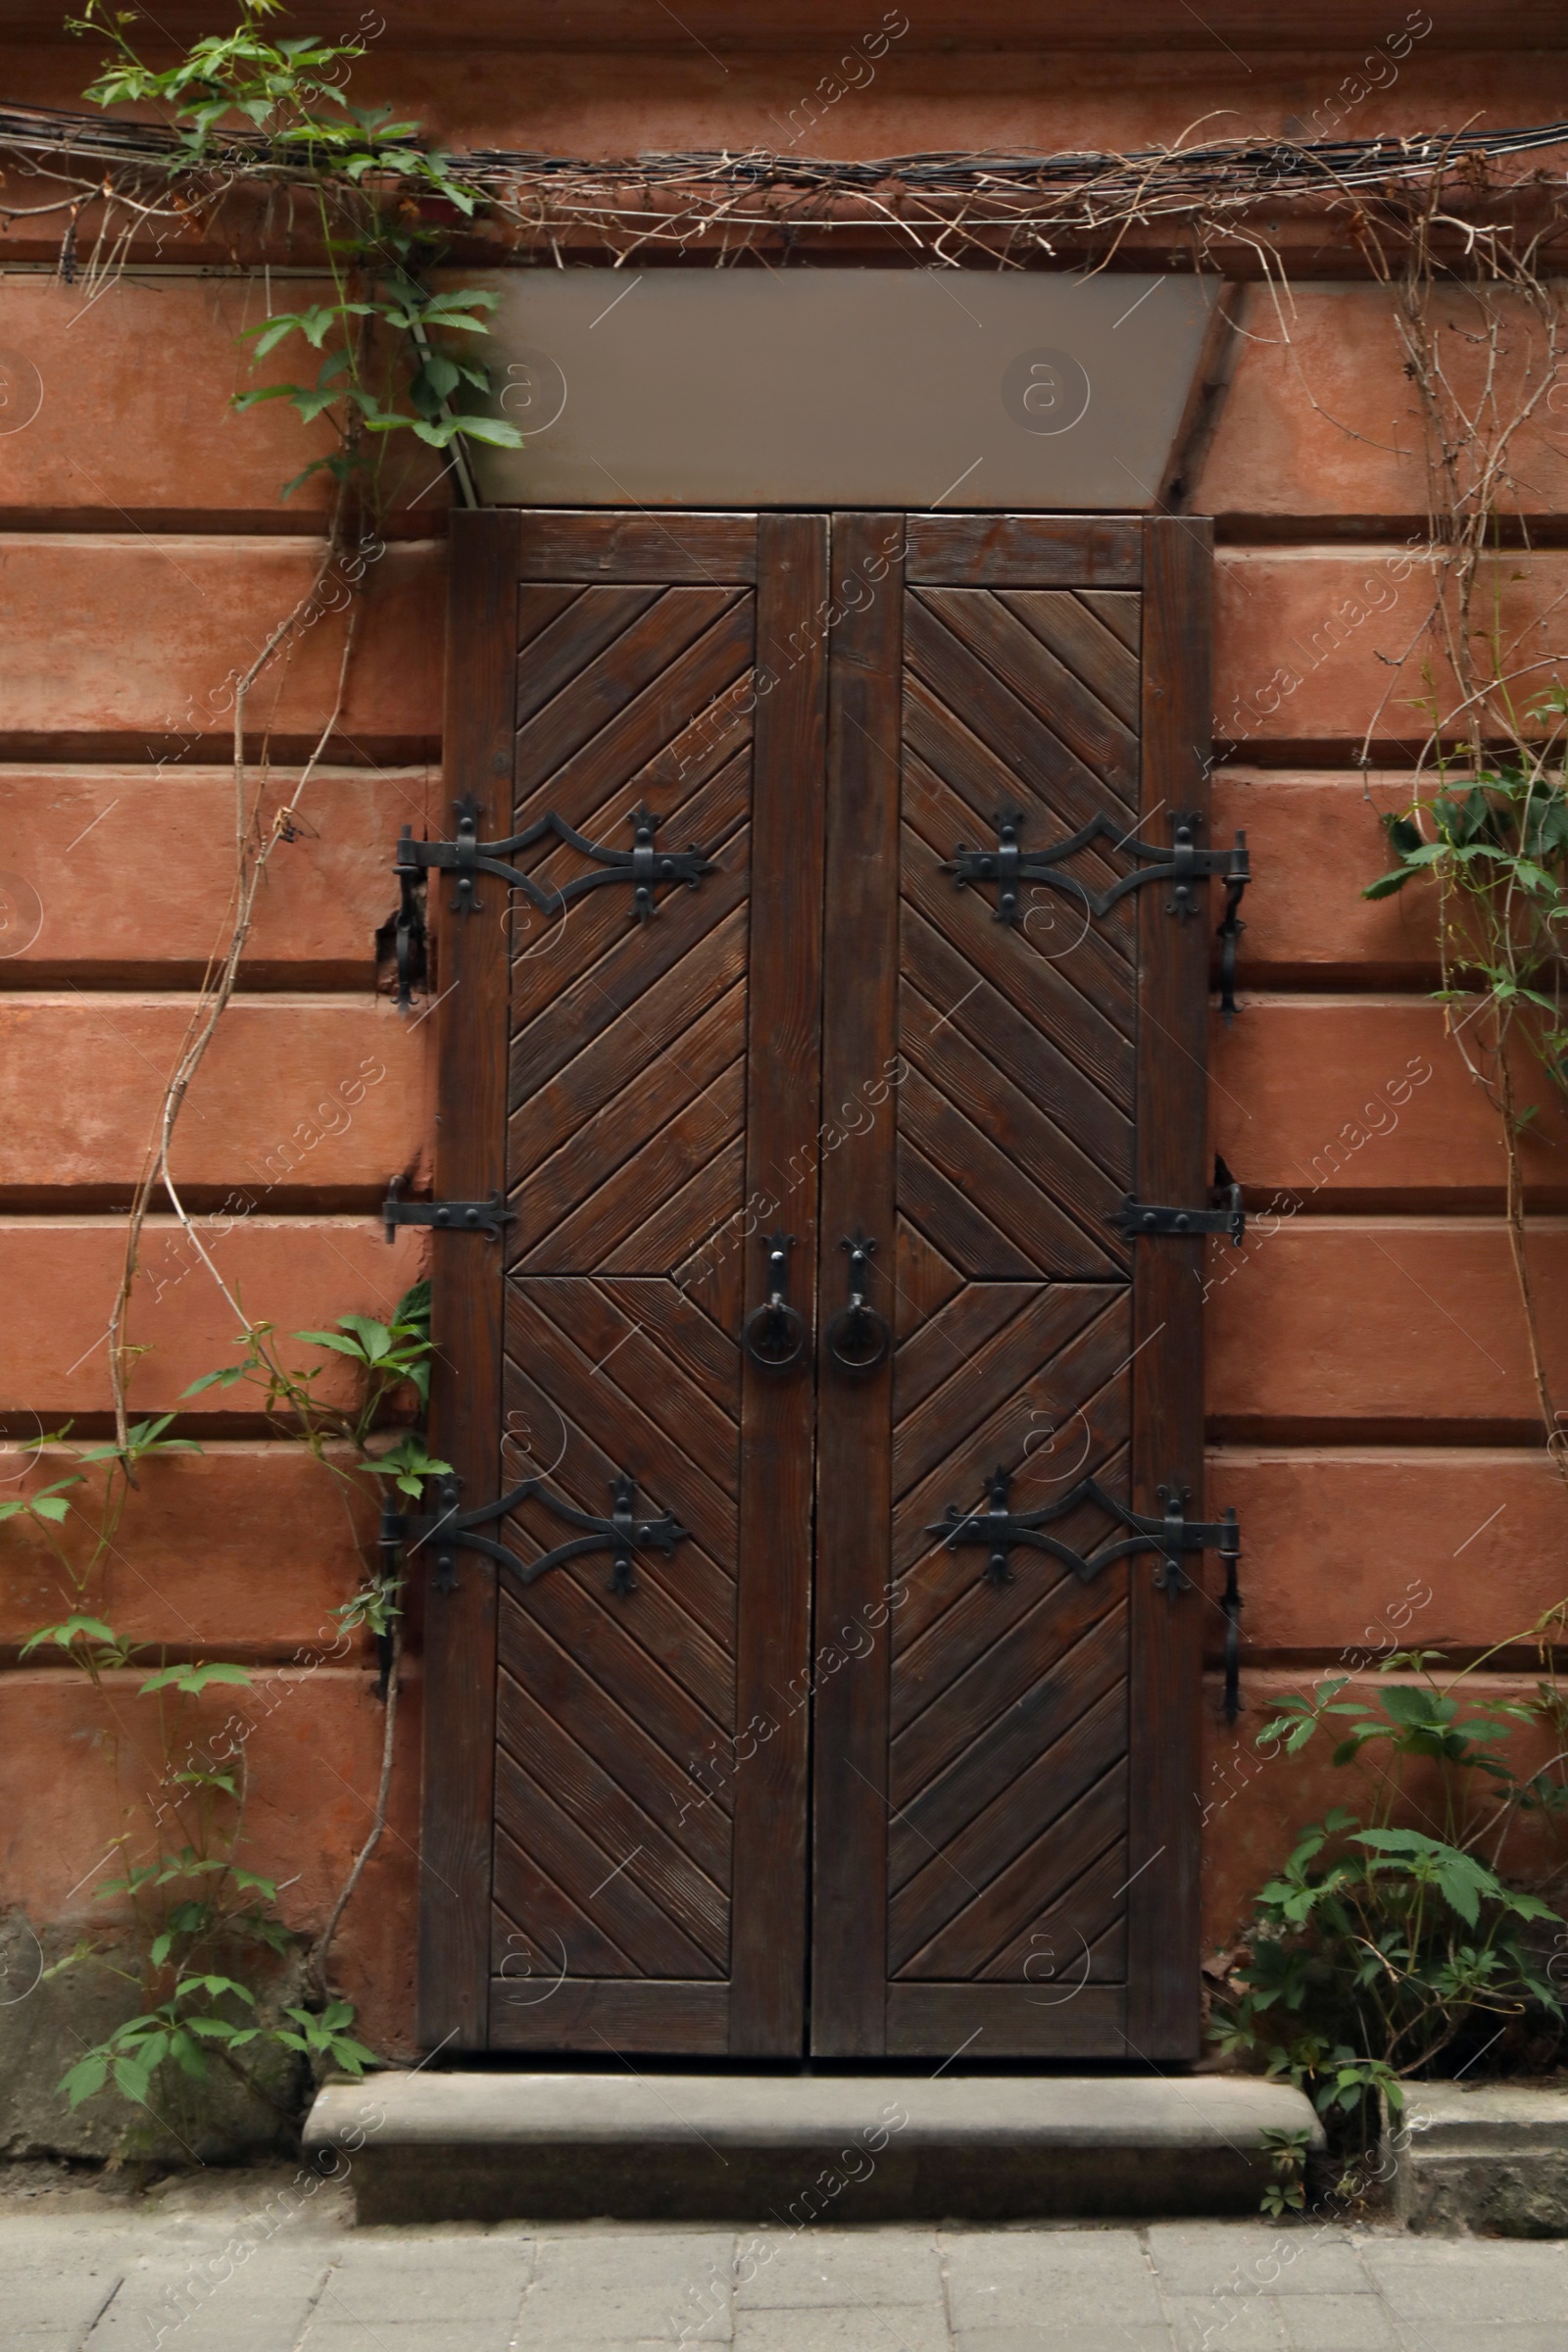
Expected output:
(1492, 2158)
(438, 2147)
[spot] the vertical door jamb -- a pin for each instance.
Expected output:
(473, 977)
(779, 1410)
(1167, 1369)
(854, 1422)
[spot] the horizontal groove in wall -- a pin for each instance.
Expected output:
(200, 522)
(1320, 751)
(1314, 979)
(1348, 1200)
(25, 977)
(363, 750)
(1334, 532)
(205, 1428)
(224, 1203)
(1404, 1436)
(1521, 1659)
(1370, 1452)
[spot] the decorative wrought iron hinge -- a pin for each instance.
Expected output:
(1138, 1219)
(996, 1528)
(449, 1531)
(448, 1216)
(1182, 864)
(467, 857)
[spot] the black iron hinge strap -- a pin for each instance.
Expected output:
(447, 1216)
(1138, 1219)
(1182, 864)
(448, 1531)
(467, 857)
(996, 1529)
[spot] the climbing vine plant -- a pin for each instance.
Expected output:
(384, 352)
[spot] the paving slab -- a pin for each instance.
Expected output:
(1475, 2281)
(775, 2271)
(1070, 2277)
(800, 2149)
(1197, 2259)
(862, 2328)
(1226, 2324)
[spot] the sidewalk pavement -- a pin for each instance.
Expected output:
(258, 2262)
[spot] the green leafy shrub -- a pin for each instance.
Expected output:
(1382, 1952)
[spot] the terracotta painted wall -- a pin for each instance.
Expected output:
(1370, 1410)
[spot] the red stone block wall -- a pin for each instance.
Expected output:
(1371, 1412)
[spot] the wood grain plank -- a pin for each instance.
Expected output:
(557, 648)
(1010, 731)
(849, 1968)
(600, 671)
(1049, 1948)
(566, 1688)
(580, 785)
(1018, 1852)
(592, 543)
(962, 1231)
(1024, 1051)
(460, 1629)
(566, 996)
(653, 1381)
(684, 1332)
(612, 1164)
(538, 1932)
(983, 779)
(950, 1614)
(1122, 615)
(1027, 1172)
(682, 2019)
(623, 1053)
(1022, 659)
(1024, 550)
(619, 1435)
(1075, 633)
(682, 1148)
(1029, 1330)
(949, 1330)
(1014, 1857)
(538, 604)
(691, 1235)
(1003, 1711)
(1014, 2021)
(925, 1282)
(678, 1910)
(539, 1807)
(1085, 999)
(1168, 1362)
(768, 1949)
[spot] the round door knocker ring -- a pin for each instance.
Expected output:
(773, 1335)
(857, 1339)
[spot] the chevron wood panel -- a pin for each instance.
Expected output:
(1008, 1703)
(616, 1704)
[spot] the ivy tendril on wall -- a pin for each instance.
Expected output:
(210, 1952)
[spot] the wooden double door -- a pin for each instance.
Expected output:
(808, 1697)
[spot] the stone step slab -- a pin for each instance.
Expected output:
(797, 2150)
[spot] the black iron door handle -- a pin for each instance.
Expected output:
(773, 1335)
(859, 1338)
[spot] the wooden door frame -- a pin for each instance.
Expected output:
(472, 1045)
(458, 1791)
